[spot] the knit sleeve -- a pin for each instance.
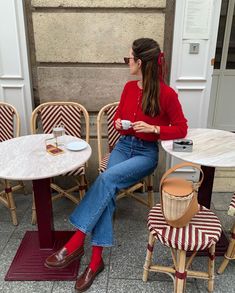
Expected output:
(177, 122)
(118, 113)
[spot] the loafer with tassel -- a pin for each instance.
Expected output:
(86, 279)
(61, 259)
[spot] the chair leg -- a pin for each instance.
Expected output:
(34, 216)
(23, 187)
(150, 191)
(211, 268)
(180, 275)
(11, 202)
(82, 185)
(148, 259)
(230, 253)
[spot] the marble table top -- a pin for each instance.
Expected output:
(211, 147)
(26, 158)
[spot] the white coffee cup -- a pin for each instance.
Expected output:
(126, 124)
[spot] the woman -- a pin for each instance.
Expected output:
(155, 113)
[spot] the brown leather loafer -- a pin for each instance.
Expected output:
(86, 279)
(61, 259)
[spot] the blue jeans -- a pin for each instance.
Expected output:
(131, 160)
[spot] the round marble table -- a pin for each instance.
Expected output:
(211, 148)
(26, 158)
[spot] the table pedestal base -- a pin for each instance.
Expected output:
(28, 263)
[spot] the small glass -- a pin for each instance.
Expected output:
(51, 147)
(58, 133)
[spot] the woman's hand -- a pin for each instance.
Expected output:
(141, 126)
(118, 124)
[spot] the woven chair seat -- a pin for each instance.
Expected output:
(201, 233)
(230, 253)
(77, 172)
(104, 162)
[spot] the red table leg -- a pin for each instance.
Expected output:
(204, 198)
(28, 263)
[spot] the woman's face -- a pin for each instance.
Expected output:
(135, 66)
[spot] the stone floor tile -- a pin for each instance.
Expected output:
(124, 262)
(23, 287)
(63, 287)
(221, 200)
(138, 286)
(5, 236)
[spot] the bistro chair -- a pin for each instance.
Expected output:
(107, 136)
(230, 253)
(71, 115)
(9, 128)
(202, 233)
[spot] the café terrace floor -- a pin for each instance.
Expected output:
(124, 262)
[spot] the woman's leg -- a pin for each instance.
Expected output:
(130, 161)
(119, 176)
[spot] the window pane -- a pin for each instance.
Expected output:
(231, 49)
(221, 31)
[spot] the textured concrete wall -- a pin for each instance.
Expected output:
(103, 37)
(100, 3)
(77, 49)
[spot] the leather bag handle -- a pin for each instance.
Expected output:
(178, 166)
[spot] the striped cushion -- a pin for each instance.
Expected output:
(113, 134)
(76, 172)
(68, 115)
(203, 230)
(104, 162)
(231, 210)
(6, 123)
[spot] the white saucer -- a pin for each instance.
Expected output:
(76, 145)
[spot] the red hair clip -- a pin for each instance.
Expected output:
(160, 58)
(161, 65)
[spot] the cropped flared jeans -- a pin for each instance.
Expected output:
(131, 160)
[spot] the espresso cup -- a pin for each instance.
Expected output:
(126, 124)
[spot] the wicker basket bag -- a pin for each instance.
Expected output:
(179, 197)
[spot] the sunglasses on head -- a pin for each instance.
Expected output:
(127, 59)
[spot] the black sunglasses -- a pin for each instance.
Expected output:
(127, 59)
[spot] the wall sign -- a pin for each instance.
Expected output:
(197, 19)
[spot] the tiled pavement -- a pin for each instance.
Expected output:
(124, 261)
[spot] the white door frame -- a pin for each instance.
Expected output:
(191, 74)
(217, 105)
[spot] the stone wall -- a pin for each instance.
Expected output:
(77, 50)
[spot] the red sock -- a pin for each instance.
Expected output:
(96, 258)
(76, 241)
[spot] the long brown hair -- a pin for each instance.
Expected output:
(148, 50)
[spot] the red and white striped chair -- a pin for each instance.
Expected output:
(71, 115)
(203, 232)
(9, 128)
(107, 136)
(230, 253)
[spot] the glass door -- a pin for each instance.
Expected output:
(222, 114)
